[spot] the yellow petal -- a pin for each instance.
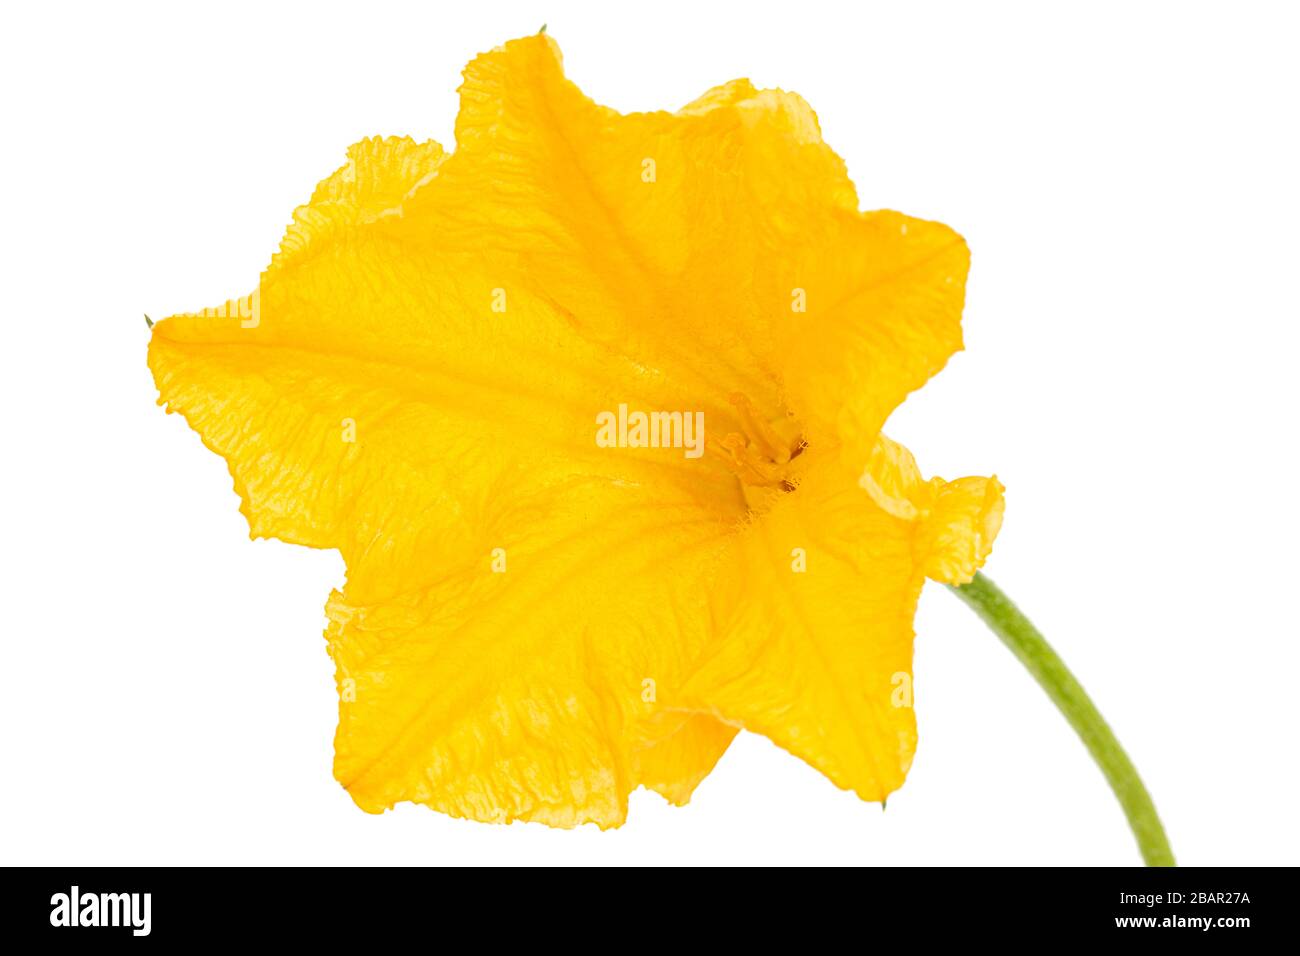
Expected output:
(814, 636)
(815, 608)
(415, 382)
(418, 454)
(742, 266)
(373, 400)
(673, 762)
(881, 320)
(523, 684)
(958, 534)
(956, 521)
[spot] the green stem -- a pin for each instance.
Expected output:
(1015, 631)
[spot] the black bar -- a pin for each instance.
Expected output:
(1226, 907)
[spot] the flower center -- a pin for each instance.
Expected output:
(763, 454)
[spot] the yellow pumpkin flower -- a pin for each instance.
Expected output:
(476, 374)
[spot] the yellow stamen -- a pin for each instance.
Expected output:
(759, 457)
(759, 431)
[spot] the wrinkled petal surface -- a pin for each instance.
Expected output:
(534, 625)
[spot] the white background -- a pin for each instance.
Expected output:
(1127, 178)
